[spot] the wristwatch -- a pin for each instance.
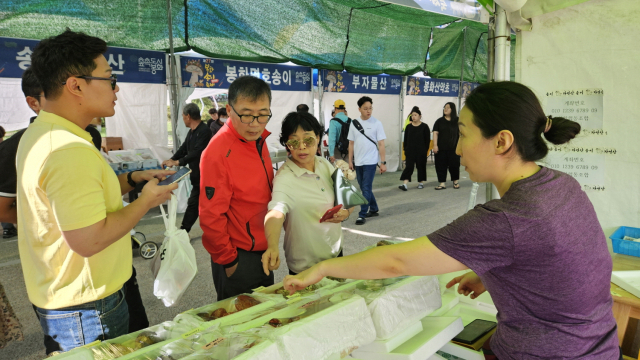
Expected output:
(383, 162)
(129, 180)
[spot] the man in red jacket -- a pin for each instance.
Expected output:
(235, 189)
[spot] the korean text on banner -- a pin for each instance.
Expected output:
(130, 65)
(336, 81)
(216, 73)
(432, 87)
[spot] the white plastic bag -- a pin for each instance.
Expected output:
(175, 267)
(184, 191)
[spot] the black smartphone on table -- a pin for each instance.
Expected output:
(474, 331)
(177, 176)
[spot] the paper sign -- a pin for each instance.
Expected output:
(582, 106)
(587, 165)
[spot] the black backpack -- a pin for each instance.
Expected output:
(343, 142)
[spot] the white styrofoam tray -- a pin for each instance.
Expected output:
(628, 280)
(437, 331)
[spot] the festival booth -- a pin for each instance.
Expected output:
(384, 90)
(141, 113)
(290, 86)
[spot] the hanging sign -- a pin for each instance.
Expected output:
(342, 81)
(432, 87)
(130, 65)
(215, 73)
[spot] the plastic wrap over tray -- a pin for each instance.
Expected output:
(396, 305)
(150, 337)
(184, 346)
(333, 325)
(237, 346)
(231, 306)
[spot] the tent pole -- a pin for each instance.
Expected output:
(173, 83)
(501, 57)
(464, 46)
(320, 93)
(501, 72)
(491, 58)
(403, 94)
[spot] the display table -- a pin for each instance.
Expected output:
(626, 306)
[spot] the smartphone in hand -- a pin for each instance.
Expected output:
(329, 214)
(177, 176)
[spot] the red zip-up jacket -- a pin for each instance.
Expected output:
(235, 188)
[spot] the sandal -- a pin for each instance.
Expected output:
(440, 187)
(456, 186)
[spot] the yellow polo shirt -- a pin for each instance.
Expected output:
(65, 184)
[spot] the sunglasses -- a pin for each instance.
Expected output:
(294, 144)
(113, 79)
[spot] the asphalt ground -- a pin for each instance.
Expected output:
(403, 215)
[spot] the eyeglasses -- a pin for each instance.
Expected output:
(113, 79)
(248, 119)
(294, 144)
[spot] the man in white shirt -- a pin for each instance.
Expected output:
(366, 149)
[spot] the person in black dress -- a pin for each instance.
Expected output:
(445, 140)
(417, 137)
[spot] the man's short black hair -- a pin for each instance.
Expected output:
(295, 120)
(302, 108)
(249, 87)
(59, 57)
(213, 111)
(364, 100)
(222, 112)
(192, 110)
(30, 84)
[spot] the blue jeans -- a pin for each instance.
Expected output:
(79, 325)
(365, 174)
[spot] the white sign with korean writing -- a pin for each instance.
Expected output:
(587, 165)
(583, 106)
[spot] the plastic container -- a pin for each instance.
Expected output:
(626, 247)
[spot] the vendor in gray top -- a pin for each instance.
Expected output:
(189, 154)
(539, 250)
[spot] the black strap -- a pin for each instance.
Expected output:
(359, 127)
(338, 120)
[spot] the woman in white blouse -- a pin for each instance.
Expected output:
(302, 192)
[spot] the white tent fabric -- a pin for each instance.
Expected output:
(385, 108)
(141, 118)
(578, 48)
(14, 111)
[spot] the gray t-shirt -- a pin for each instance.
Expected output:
(542, 255)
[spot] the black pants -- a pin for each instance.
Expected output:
(137, 314)
(192, 212)
(419, 162)
(447, 160)
(293, 273)
(249, 275)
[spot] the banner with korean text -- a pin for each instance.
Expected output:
(344, 82)
(216, 73)
(129, 65)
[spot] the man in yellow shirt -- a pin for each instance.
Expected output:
(74, 238)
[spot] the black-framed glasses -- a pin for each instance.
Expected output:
(248, 119)
(113, 79)
(308, 142)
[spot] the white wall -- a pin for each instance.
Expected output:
(141, 118)
(386, 108)
(595, 45)
(14, 111)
